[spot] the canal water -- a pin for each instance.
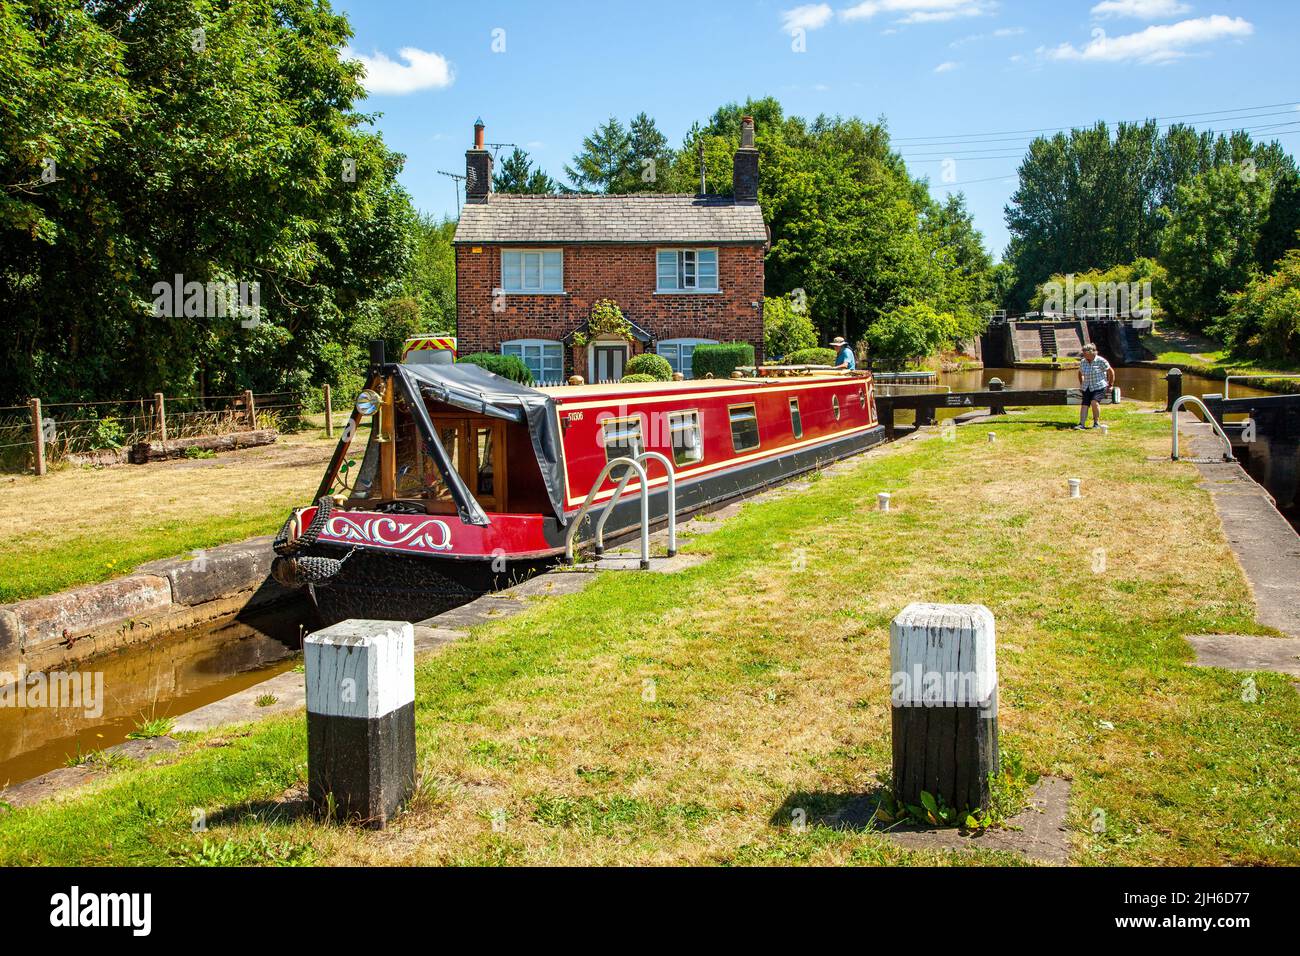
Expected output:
(1140, 384)
(163, 678)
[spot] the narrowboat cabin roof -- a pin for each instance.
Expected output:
(614, 389)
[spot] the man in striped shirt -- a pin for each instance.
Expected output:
(1095, 376)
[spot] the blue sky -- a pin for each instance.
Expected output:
(956, 80)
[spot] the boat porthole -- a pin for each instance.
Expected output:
(862, 398)
(835, 404)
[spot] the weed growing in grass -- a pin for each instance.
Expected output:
(258, 852)
(194, 452)
(96, 759)
(265, 700)
(154, 727)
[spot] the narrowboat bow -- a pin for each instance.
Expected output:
(469, 479)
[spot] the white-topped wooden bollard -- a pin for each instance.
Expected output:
(882, 501)
(1075, 485)
(361, 719)
(1105, 430)
(944, 699)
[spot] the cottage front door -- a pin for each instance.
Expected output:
(610, 360)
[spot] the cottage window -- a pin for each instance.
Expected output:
(685, 437)
(532, 270)
(678, 352)
(744, 427)
(686, 270)
(544, 358)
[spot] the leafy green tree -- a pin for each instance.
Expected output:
(1092, 199)
(1280, 230)
(909, 332)
(787, 327)
(650, 159)
(1208, 249)
(218, 142)
(517, 175)
(1264, 318)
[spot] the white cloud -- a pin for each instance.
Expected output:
(946, 66)
(424, 70)
(1009, 32)
(1155, 44)
(919, 11)
(1141, 9)
(810, 16)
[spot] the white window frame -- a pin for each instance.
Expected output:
(519, 348)
(686, 422)
(675, 358)
(521, 288)
(679, 286)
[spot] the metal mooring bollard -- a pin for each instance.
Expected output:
(944, 704)
(361, 719)
(1075, 485)
(993, 436)
(882, 501)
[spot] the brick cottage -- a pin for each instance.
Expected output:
(684, 270)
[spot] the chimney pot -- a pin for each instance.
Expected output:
(478, 168)
(744, 176)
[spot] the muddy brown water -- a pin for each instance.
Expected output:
(163, 678)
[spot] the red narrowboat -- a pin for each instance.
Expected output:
(470, 479)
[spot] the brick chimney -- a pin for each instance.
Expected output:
(744, 175)
(478, 168)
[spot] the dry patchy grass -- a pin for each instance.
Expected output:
(682, 718)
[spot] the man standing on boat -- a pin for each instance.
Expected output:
(844, 354)
(1095, 376)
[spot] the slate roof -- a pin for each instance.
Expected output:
(635, 219)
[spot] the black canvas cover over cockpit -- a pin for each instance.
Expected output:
(477, 390)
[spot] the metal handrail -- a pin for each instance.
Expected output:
(1214, 423)
(672, 501)
(591, 500)
(1244, 375)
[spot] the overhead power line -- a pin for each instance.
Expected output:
(956, 137)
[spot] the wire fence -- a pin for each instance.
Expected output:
(103, 430)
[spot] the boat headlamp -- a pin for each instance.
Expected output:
(368, 402)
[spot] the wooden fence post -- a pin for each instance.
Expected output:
(252, 410)
(329, 413)
(944, 704)
(160, 412)
(361, 719)
(38, 438)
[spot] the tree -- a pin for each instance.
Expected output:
(911, 331)
(1208, 249)
(216, 142)
(1091, 199)
(787, 327)
(518, 176)
(1264, 317)
(605, 161)
(650, 159)
(1280, 230)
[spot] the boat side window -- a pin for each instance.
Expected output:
(862, 398)
(835, 404)
(622, 439)
(796, 420)
(685, 437)
(744, 427)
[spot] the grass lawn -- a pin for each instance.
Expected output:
(1195, 353)
(680, 719)
(80, 525)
